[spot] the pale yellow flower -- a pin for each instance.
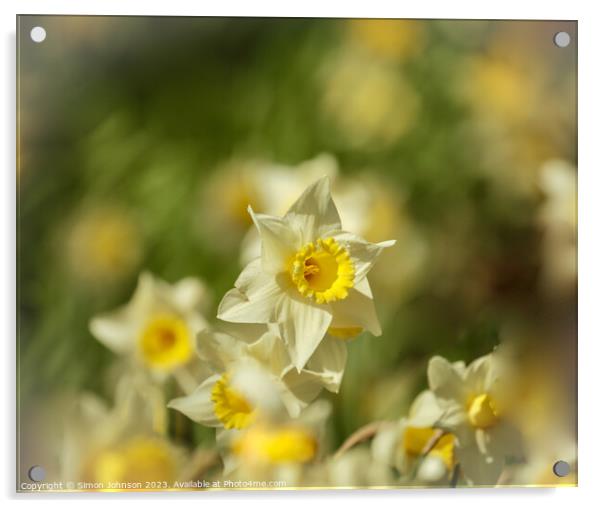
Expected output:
(103, 244)
(311, 277)
(267, 186)
(474, 403)
(502, 89)
(223, 200)
(396, 39)
(102, 445)
(369, 102)
(276, 447)
(403, 444)
(158, 326)
(253, 376)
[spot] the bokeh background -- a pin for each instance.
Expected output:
(141, 141)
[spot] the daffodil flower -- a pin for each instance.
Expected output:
(157, 327)
(275, 447)
(405, 444)
(310, 278)
(474, 404)
(253, 375)
(104, 444)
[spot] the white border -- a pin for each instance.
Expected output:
(590, 247)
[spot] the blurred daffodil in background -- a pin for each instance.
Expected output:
(157, 328)
(103, 244)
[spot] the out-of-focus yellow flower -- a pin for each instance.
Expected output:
(502, 90)
(264, 444)
(224, 198)
(266, 186)
(252, 376)
(558, 219)
(279, 187)
(370, 103)
(474, 404)
(311, 276)
(103, 445)
(405, 445)
(276, 447)
(158, 326)
(523, 104)
(372, 209)
(396, 39)
(140, 459)
(104, 244)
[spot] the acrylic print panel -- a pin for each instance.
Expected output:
(292, 253)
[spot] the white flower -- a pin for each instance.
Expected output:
(157, 327)
(102, 445)
(421, 453)
(253, 376)
(278, 187)
(310, 279)
(276, 448)
(474, 404)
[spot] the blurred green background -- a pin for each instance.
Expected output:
(125, 124)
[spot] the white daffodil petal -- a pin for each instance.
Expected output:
(189, 294)
(454, 419)
(257, 385)
(219, 349)
(248, 275)
(316, 415)
(298, 390)
(504, 440)
(328, 363)
(198, 405)
(315, 212)
(479, 374)
(425, 411)
(479, 469)
(362, 253)
(302, 325)
(432, 469)
(278, 241)
(357, 310)
(223, 440)
(445, 381)
(385, 444)
(270, 351)
(116, 330)
(245, 332)
(255, 307)
(145, 295)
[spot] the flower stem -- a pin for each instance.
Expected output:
(359, 436)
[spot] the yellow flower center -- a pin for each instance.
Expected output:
(165, 342)
(415, 440)
(139, 460)
(345, 333)
(273, 446)
(232, 409)
(482, 412)
(322, 270)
